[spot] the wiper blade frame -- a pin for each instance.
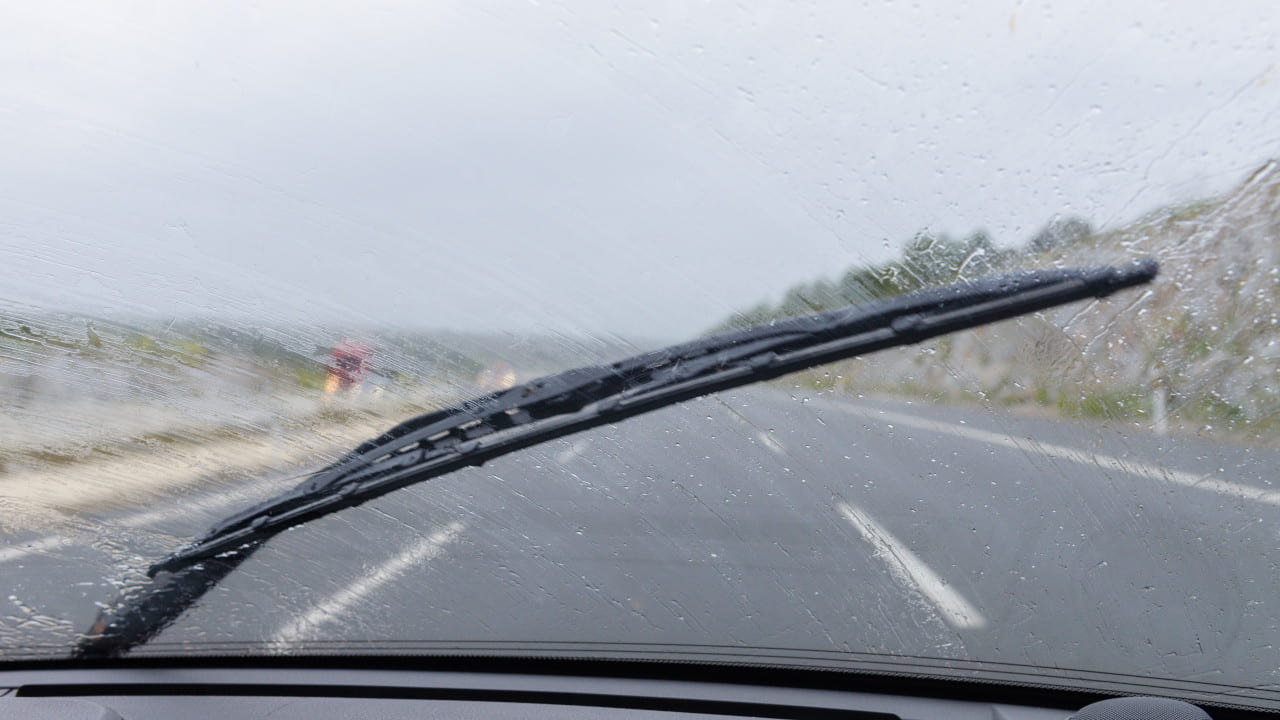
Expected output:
(480, 430)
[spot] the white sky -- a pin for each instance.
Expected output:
(585, 167)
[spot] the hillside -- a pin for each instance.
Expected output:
(1197, 351)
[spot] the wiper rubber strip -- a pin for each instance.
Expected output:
(551, 407)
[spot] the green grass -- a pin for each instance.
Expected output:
(1106, 404)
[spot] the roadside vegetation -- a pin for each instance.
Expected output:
(81, 389)
(1197, 352)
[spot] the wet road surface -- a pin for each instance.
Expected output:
(756, 520)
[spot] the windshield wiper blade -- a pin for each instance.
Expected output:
(485, 428)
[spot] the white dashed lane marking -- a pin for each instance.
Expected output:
(911, 571)
(573, 451)
(769, 442)
(336, 606)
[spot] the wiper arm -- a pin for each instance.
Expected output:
(485, 428)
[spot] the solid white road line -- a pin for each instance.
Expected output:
(1061, 452)
(336, 605)
(912, 572)
(180, 509)
(35, 546)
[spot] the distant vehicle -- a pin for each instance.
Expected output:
(348, 366)
(497, 375)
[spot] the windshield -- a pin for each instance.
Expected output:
(237, 241)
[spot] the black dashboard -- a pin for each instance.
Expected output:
(284, 693)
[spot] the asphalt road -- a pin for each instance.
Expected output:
(753, 520)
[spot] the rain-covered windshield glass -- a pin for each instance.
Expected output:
(238, 239)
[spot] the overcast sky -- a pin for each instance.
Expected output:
(586, 166)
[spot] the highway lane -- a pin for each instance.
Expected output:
(764, 520)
